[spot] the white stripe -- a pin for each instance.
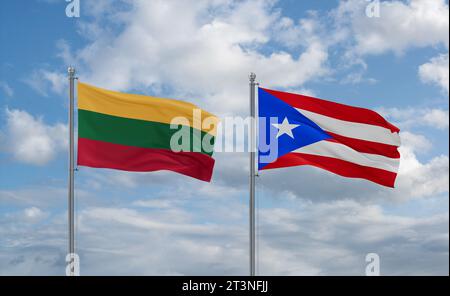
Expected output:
(355, 130)
(340, 151)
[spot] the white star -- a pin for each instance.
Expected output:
(285, 128)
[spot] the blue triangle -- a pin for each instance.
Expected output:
(272, 110)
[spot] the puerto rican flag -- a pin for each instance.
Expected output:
(349, 141)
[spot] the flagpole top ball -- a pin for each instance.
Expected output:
(252, 76)
(71, 71)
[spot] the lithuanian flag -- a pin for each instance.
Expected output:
(134, 133)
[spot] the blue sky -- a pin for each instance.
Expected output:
(311, 222)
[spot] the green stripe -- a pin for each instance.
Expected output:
(134, 132)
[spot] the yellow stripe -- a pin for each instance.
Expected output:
(141, 107)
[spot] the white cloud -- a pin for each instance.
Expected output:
(337, 235)
(30, 140)
(436, 72)
(38, 197)
(437, 118)
(34, 214)
(207, 53)
(416, 179)
(4, 86)
(410, 118)
(174, 224)
(30, 215)
(153, 203)
(44, 82)
(401, 25)
(415, 142)
(302, 238)
(303, 33)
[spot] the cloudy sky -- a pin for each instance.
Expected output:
(310, 222)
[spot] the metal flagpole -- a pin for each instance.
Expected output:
(71, 72)
(252, 78)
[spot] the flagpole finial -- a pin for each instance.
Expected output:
(71, 71)
(252, 77)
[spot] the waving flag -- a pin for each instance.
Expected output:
(349, 141)
(133, 133)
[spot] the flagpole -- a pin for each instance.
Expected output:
(71, 73)
(252, 78)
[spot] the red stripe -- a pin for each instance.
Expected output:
(332, 109)
(100, 154)
(366, 146)
(337, 166)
